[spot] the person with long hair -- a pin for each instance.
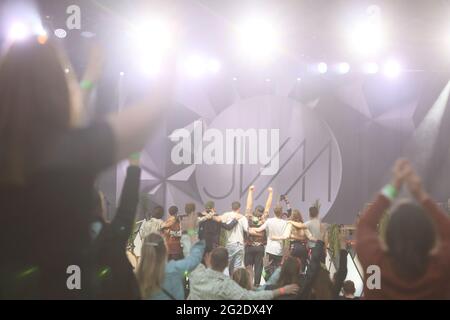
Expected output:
(290, 272)
(172, 232)
(48, 165)
(242, 277)
(298, 235)
(160, 279)
(414, 260)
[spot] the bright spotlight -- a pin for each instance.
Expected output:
(155, 34)
(367, 36)
(392, 69)
(322, 68)
(343, 68)
(150, 66)
(214, 66)
(258, 39)
(371, 68)
(18, 31)
(152, 40)
(196, 66)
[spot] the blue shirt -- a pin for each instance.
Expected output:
(174, 274)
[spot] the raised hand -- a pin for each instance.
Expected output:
(415, 186)
(401, 169)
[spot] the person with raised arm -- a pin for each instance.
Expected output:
(256, 241)
(414, 260)
(298, 235)
(172, 231)
(109, 248)
(45, 151)
(210, 225)
(275, 228)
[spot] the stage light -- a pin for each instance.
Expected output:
(392, 69)
(268, 80)
(152, 39)
(155, 34)
(213, 66)
(371, 68)
(322, 67)
(195, 66)
(40, 31)
(367, 38)
(299, 79)
(343, 68)
(66, 70)
(367, 35)
(122, 73)
(258, 39)
(150, 66)
(18, 31)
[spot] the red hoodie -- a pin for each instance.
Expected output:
(434, 284)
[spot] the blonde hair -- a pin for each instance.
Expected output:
(152, 264)
(297, 216)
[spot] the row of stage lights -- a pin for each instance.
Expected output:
(258, 41)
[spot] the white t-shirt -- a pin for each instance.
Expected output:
(314, 227)
(274, 227)
(235, 235)
(151, 226)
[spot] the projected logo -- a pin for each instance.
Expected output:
(292, 139)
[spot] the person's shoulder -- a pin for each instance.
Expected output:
(199, 271)
(227, 214)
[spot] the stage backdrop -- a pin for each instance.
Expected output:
(266, 141)
(335, 140)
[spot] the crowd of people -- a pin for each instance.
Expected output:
(53, 217)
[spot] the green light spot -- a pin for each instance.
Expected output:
(28, 272)
(104, 272)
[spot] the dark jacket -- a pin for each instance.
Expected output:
(209, 230)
